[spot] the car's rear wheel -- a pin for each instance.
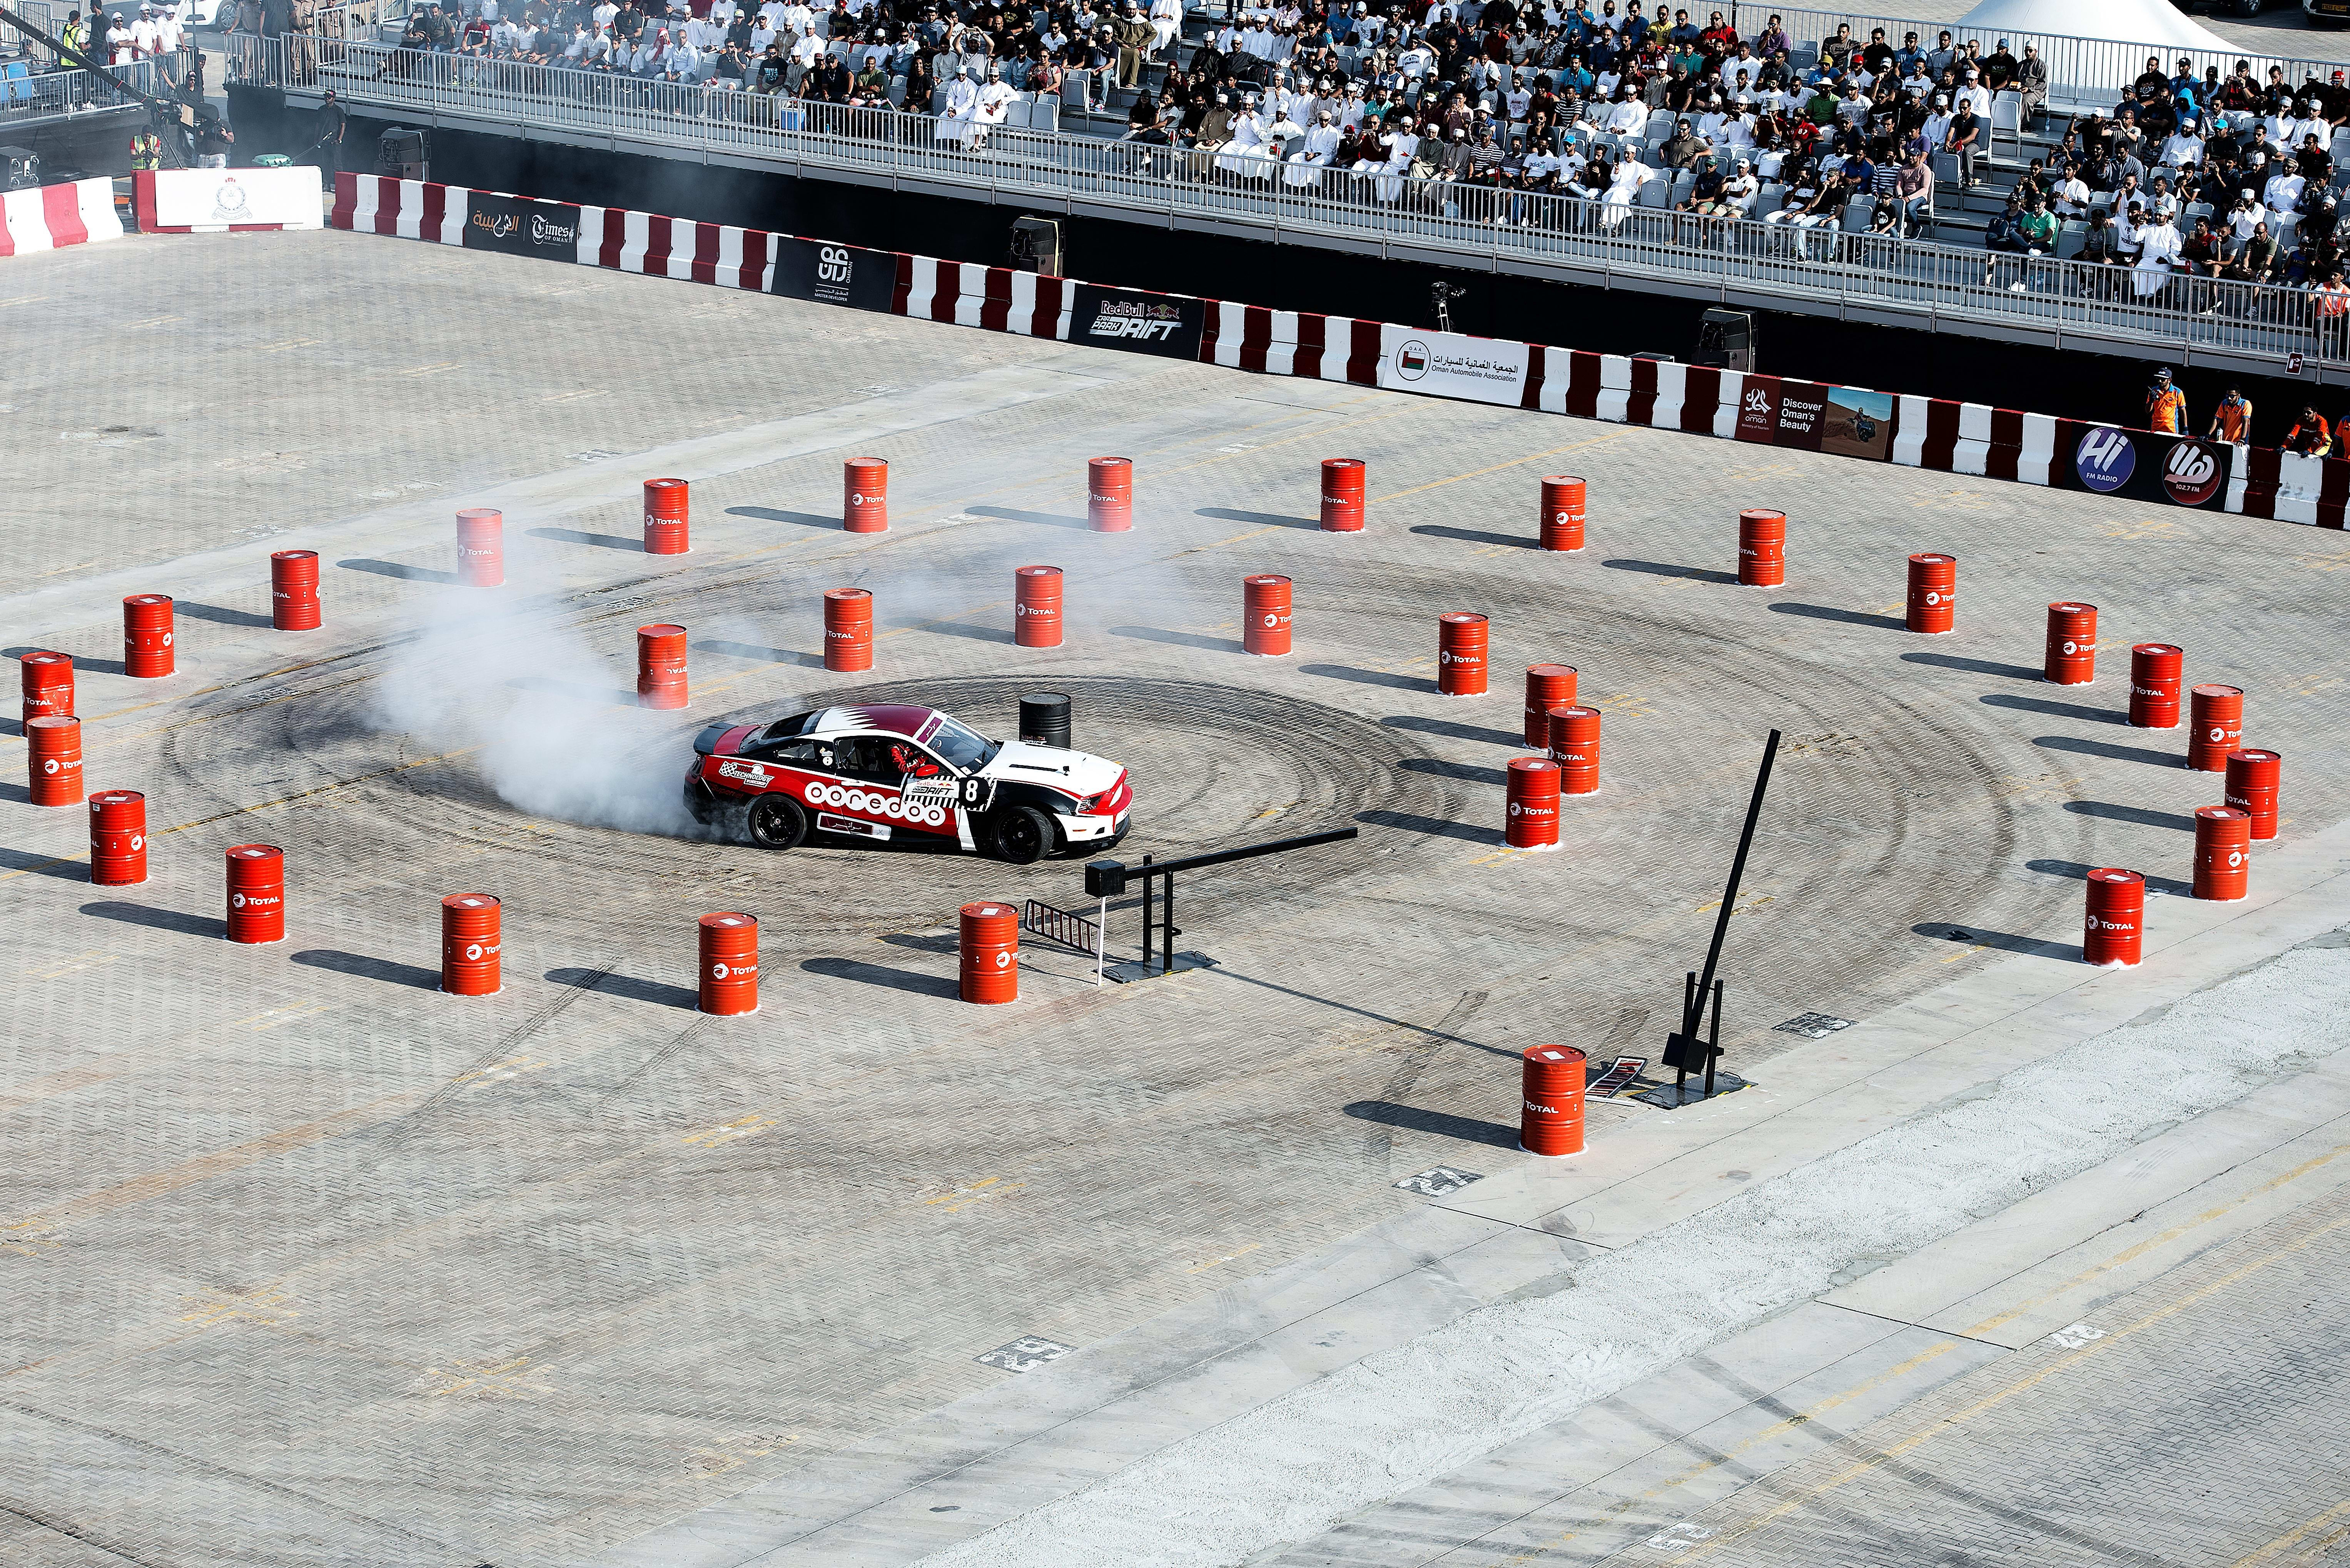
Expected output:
(776, 822)
(1023, 835)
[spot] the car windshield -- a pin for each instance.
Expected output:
(960, 747)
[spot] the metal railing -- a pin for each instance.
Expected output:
(1821, 269)
(55, 95)
(2082, 71)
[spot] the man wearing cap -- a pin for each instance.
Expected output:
(989, 106)
(146, 39)
(2166, 406)
(2032, 83)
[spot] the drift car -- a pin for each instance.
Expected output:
(891, 771)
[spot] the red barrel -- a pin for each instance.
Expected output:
(256, 893)
(665, 517)
(847, 630)
(1562, 512)
(1933, 593)
(1549, 686)
(118, 838)
(730, 963)
(1264, 615)
(2153, 685)
(2252, 778)
(1037, 606)
(293, 591)
(990, 952)
(1342, 495)
(1110, 494)
(1762, 548)
(48, 685)
(469, 944)
(1575, 746)
(2223, 853)
(481, 548)
(52, 759)
(147, 636)
(1552, 1123)
(2116, 925)
(2216, 717)
(660, 667)
(1532, 822)
(865, 495)
(2072, 656)
(1461, 654)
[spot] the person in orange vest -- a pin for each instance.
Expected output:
(2309, 435)
(2166, 406)
(2232, 421)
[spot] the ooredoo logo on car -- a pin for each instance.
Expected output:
(2191, 473)
(2105, 460)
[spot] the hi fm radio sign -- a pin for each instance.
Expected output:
(2139, 465)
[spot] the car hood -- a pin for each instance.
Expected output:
(1079, 773)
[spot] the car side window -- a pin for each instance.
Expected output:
(796, 754)
(868, 757)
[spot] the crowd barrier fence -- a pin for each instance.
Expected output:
(1854, 276)
(1916, 432)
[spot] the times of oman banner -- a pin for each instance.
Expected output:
(519, 226)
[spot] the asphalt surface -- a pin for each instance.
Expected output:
(311, 1263)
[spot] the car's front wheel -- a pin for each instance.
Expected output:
(1023, 835)
(776, 822)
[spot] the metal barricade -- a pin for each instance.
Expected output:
(1432, 221)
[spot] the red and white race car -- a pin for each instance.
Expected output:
(891, 772)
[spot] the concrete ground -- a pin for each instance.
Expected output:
(313, 1264)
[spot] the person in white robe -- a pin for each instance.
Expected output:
(1309, 152)
(1402, 144)
(1165, 22)
(1624, 189)
(958, 113)
(990, 106)
(1247, 153)
(2160, 244)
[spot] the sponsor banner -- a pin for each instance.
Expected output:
(2138, 465)
(236, 198)
(2196, 472)
(1803, 415)
(522, 227)
(1858, 424)
(832, 274)
(1448, 365)
(1137, 321)
(1758, 410)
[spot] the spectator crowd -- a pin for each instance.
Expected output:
(1472, 108)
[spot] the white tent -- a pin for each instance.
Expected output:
(2155, 23)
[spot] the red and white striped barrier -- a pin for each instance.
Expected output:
(50, 217)
(994, 298)
(1291, 343)
(1931, 433)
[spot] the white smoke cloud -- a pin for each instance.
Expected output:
(546, 712)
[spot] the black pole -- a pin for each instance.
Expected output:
(1167, 927)
(1713, 1041)
(1730, 895)
(1689, 1011)
(1146, 928)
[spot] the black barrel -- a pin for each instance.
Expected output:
(1044, 717)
